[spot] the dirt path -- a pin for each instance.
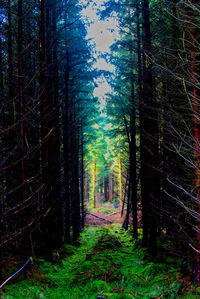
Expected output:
(108, 218)
(104, 218)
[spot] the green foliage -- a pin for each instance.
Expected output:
(108, 263)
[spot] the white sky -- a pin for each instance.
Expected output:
(103, 35)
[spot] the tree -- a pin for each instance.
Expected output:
(34, 213)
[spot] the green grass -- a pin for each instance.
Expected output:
(108, 264)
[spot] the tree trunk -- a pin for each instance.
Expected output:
(94, 184)
(133, 164)
(21, 100)
(120, 182)
(126, 221)
(56, 143)
(10, 55)
(106, 189)
(195, 96)
(75, 199)
(124, 194)
(66, 138)
(110, 183)
(82, 180)
(1, 72)
(45, 135)
(149, 152)
(1, 174)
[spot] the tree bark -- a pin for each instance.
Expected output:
(133, 164)
(149, 151)
(56, 142)
(66, 139)
(94, 184)
(120, 182)
(21, 99)
(45, 135)
(82, 180)
(195, 96)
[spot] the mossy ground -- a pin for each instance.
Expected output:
(107, 264)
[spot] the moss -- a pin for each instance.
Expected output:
(108, 264)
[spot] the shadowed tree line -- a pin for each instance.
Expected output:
(46, 85)
(155, 100)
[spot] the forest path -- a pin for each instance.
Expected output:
(97, 218)
(107, 264)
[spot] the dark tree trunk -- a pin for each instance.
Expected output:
(45, 136)
(21, 100)
(133, 164)
(25, 246)
(195, 100)
(10, 56)
(120, 182)
(75, 179)
(1, 72)
(56, 144)
(140, 106)
(143, 167)
(66, 136)
(126, 221)
(82, 180)
(1, 173)
(149, 152)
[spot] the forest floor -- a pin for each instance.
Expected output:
(103, 218)
(107, 264)
(106, 214)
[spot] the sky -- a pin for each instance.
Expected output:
(103, 34)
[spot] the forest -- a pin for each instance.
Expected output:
(70, 157)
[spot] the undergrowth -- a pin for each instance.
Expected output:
(106, 208)
(107, 264)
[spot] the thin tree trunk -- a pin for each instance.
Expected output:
(45, 132)
(10, 55)
(126, 221)
(66, 136)
(110, 183)
(194, 70)
(21, 98)
(149, 152)
(106, 189)
(1, 174)
(142, 135)
(133, 164)
(82, 180)
(1, 72)
(124, 194)
(56, 143)
(75, 178)
(94, 183)
(120, 182)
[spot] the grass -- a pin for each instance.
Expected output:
(108, 264)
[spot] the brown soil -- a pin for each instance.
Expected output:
(92, 220)
(108, 218)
